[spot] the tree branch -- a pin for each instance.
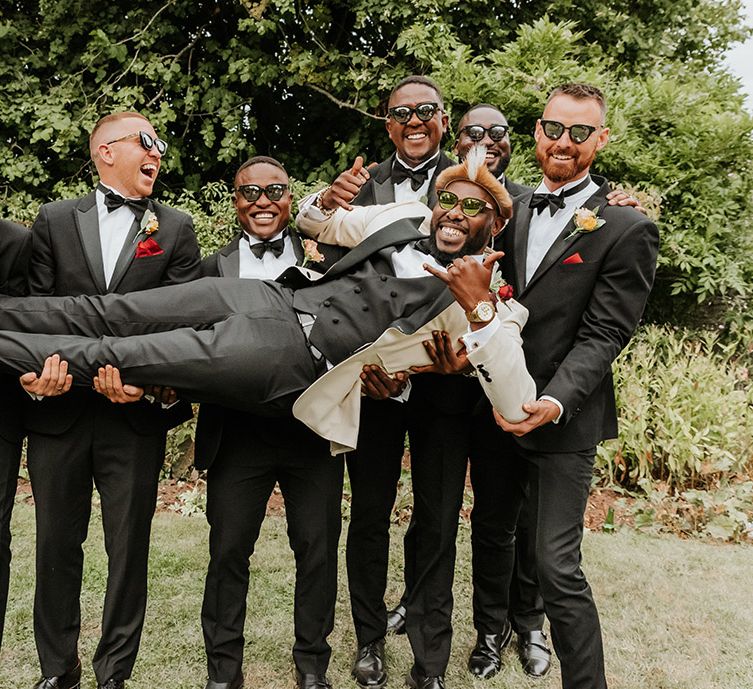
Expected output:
(342, 104)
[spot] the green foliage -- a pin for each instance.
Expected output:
(686, 412)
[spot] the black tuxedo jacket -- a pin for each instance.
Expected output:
(379, 188)
(515, 189)
(585, 300)
(269, 439)
(15, 252)
(67, 260)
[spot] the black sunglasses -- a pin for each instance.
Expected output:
(424, 111)
(253, 192)
(476, 132)
(469, 205)
(146, 141)
(578, 132)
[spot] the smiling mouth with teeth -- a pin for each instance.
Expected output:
(452, 232)
(150, 170)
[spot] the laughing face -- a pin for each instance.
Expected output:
(563, 160)
(416, 141)
(262, 218)
(497, 152)
(453, 233)
(123, 163)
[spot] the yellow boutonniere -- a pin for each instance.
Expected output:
(585, 221)
(149, 223)
(311, 253)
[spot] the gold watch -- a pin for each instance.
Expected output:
(483, 312)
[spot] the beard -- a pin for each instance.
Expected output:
(557, 172)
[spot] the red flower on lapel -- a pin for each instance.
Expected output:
(148, 247)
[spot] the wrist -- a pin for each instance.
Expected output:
(321, 201)
(482, 312)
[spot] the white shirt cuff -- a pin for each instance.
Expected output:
(474, 339)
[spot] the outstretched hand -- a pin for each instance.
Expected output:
(468, 279)
(377, 384)
(618, 197)
(347, 185)
(444, 358)
(54, 379)
(109, 384)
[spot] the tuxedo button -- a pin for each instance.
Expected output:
(364, 308)
(383, 278)
(335, 320)
(357, 290)
(393, 294)
(326, 303)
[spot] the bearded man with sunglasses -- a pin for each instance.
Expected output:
(115, 239)
(584, 269)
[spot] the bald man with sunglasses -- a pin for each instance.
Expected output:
(115, 239)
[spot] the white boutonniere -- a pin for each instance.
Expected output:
(311, 253)
(585, 221)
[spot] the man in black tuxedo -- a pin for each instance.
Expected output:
(15, 250)
(245, 454)
(584, 269)
(416, 123)
(114, 240)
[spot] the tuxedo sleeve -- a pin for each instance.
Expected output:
(18, 278)
(42, 265)
(185, 263)
(612, 314)
(349, 228)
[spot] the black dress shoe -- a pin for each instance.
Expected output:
(309, 680)
(396, 620)
(416, 680)
(485, 660)
(368, 667)
(112, 683)
(68, 680)
(534, 653)
(237, 683)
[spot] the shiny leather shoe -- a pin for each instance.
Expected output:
(368, 667)
(69, 680)
(112, 683)
(534, 653)
(485, 660)
(309, 680)
(415, 680)
(396, 620)
(237, 683)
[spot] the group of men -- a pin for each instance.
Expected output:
(585, 290)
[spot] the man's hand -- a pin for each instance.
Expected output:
(53, 381)
(162, 394)
(377, 384)
(618, 197)
(468, 279)
(539, 413)
(109, 384)
(444, 358)
(347, 185)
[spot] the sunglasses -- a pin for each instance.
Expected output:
(476, 132)
(146, 141)
(469, 205)
(424, 111)
(578, 132)
(253, 192)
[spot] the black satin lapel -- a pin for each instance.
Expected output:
(87, 224)
(564, 241)
(126, 256)
(297, 240)
(384, 192)
(229, 265)
(398, 232)
(522, 221)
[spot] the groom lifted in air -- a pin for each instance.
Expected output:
(257, 345)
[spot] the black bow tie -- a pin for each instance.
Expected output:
(276, 246)
(417, 177)
(556, 202)
(114, 201)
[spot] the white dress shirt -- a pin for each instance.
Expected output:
(269, 266)
(113, 230)
(545, 227)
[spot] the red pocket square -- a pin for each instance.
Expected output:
(148, 247)
(575, 258)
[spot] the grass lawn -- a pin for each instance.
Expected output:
(675, 614)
